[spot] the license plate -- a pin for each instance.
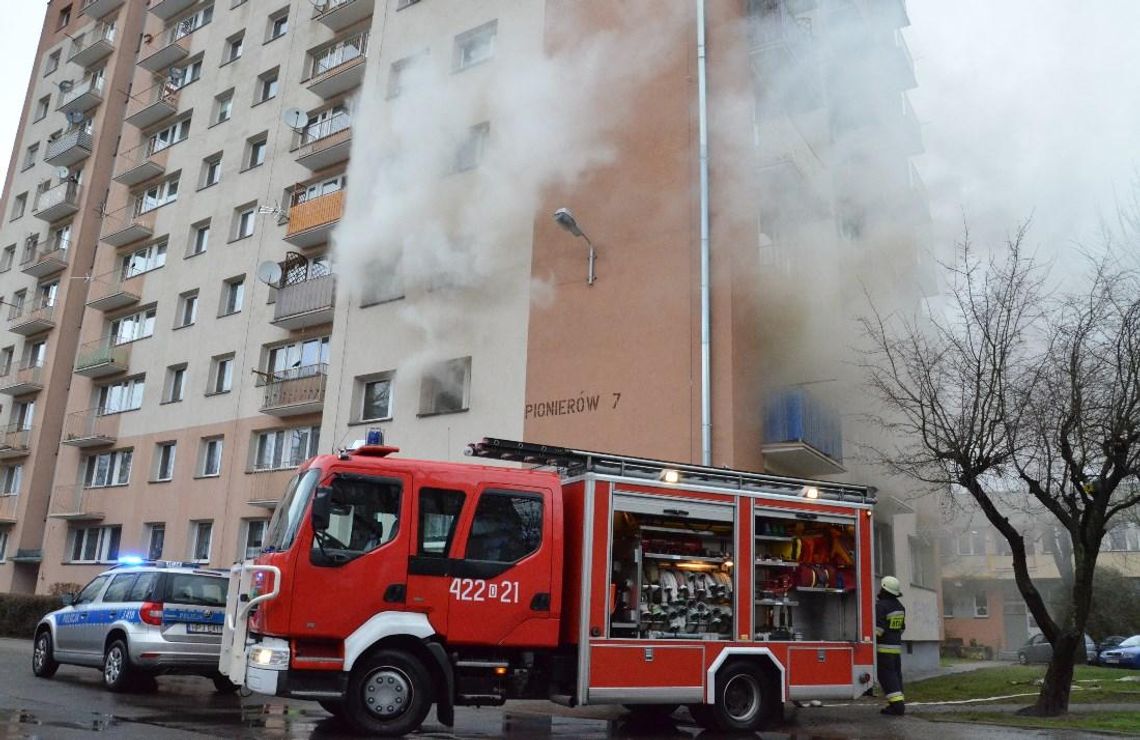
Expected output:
(205, 629)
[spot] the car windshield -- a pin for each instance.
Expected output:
(1133, 641)
(287, 518)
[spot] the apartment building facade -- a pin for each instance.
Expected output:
(244, 289)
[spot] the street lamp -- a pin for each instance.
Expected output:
(564, 218)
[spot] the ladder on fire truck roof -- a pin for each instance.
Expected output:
(577, 462)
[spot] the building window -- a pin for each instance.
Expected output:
(64, 17)
(234, 46)
(144, 259)
(254, 537)
(52, 63)
(471, 150)
(1122, 538)
(375, 397)
(164, 453)
(169, 136)
(108, 469)
(35, 353)
(3, 545)
(95, 544)
(125, 395)
(10, 477)
(7, 258)
(7, 357)
(444, 387)
(133, 327)
(223, 106)
(266, 86)
(284, 448)
(191, 23)
(302, 359)
(19, 204)
(921, 563)
(199, 238)
(972, 543)
(222, 374)
(981, 606)
(189, 72)
(200, 535)
(212, 170)
(233, 295)
(30, 155)
(338, 53)
(23, 414)
(255, 150)
(244, 219)
(210, 456)
(474, 46)
(42, 107)
(155, 538)
(278, 25)
(157, 196)
(187, 309)
(175, 386)
(398, 74)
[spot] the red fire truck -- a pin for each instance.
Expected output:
(386, 585)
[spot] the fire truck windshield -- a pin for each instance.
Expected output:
(287, 519)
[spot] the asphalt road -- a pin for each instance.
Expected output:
(74, 705)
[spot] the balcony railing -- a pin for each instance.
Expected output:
(115, 290)
(305, 304)
(90, 428)
(46, 259)
(125, 226)
(94, 44)
(169, 50)
(140, 164)
(802, 434)
(83, 96)
(16, 441)
(324, 143)
(30, 319)
(297, 391)
(167, 9)
(311, 221)
(9, 507)
(73, 501)
(338, 68)
(340, 14)
(102, 357)
(70, 148)
(57, 202)
(266, 487)
(28, 378)
(152, 106)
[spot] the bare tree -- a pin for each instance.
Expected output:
(1018, 387)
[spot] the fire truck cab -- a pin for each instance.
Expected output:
(386, 585)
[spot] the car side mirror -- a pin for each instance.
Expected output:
(322, 506)
(67, 599)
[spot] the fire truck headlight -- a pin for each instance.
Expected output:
(263, 657)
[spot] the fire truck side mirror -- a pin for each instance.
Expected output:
(322, 504)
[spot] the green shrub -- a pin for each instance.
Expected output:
(19, 613)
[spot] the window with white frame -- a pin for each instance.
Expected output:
(35, 353)
(60, 237)
(300, 359)
(256, 147)
(316, 189)
(169, 136)
(46, 294)
(51, 64)
(375, 392)
(189, 24)
(233, 295)
(234, 47)
(124, 395)
(10, 478)
(337, 53)
(470, 152)
(245, 219)
(199, 238)
(19, 205)
(445, 386)
(164, 453)
(275, 449)
(174, 389)
(155, 540)
(30, 155)
(921, 562)
(43, 105)
(108, 469)
(211, 170)
(981, 605)
(23, 415)
(133, 327)
(187, 309)
(7, 258)
(200, 535)
(143, 259)
(210, 456)
(266, 86)
(157, 195)
(223, 106)
(95, 544)
(3, 544)
(253, 537)
(221, 374)
(474, 46)
(972, 543)
(7, 357)
(184, 74)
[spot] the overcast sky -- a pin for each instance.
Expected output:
(1028, 107)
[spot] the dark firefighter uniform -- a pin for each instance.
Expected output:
(890, 621)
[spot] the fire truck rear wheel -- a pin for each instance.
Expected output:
(743, 699)
(389, 693)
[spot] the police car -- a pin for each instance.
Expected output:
(138, 620)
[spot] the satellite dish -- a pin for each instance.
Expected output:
(76, 117)
(269, 272)
(295, 118)
(65, 86)
(63, 173)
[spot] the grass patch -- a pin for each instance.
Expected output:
(1124, 722)
(1091, 685)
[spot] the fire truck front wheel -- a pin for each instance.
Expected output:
(389, 693)
(744, 699)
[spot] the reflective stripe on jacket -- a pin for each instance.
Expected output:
(890, 621)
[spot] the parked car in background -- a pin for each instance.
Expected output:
(136, 621)
(1109, 642)
(1038, 650)
(1124, 655)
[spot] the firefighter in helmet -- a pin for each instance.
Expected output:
(890, 621)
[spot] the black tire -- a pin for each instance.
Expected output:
(335, 707)
(1023, 659)
(702, 715)
(223, 685)
(118, 673)
(744, 699)
(44, 664)
(389, 694)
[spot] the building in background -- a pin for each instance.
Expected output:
(208, 294)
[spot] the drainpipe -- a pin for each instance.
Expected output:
(706, 374)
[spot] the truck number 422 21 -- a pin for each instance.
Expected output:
(477, 589)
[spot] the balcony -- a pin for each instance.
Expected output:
(152, 106)
(100, 8)
(83, 96)
(58, 202)
(31, 320)
(175, 48)
(305, 304)
(70, 149)
(9, 508)
(900, 64)
(29, 378)
(266, 487)
(340, 14)
(93, 45)
(76, 503)
(90, 428)
(296, 391)
(311, 221)
(102, 358)
(139, 165)
(325, 143)
(46, 259)
(802, 436)
(339, 68)
(167, 9)
(113, 291)
(16, 441)
(127, 227)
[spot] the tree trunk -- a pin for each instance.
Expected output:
(1054, 697)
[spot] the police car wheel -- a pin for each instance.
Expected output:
(118, 674)
(743, 699)
(44, 664)
(389, 693)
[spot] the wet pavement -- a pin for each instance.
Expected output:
(74, 705)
